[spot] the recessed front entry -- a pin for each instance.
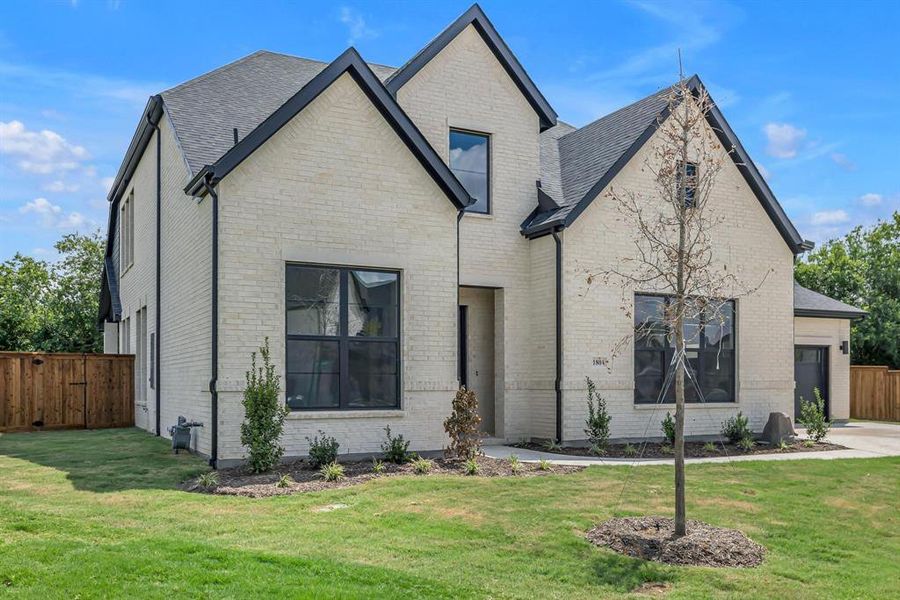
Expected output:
(477, 350)
(810, 372)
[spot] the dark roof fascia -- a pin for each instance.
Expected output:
(350, 62)
(149, 120)
(110, 304)
(545, 201)
(741, 160)
(829, 314)
(476, 17)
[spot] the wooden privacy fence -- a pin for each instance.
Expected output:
(65, 391)
(874, 393)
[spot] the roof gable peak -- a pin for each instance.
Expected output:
(475, 16)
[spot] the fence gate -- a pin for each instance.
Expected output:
(65, 391)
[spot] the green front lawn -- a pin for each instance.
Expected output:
(96, 514)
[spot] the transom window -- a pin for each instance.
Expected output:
(469, 161)
(709, 341)
(343, 338)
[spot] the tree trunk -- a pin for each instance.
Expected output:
(680, 527)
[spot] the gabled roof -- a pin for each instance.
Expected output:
(349, 62)
(476, 17)
(808, 303)
(110, 308)
(590, 157)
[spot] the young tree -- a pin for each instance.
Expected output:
(24, 284)
(673, 253)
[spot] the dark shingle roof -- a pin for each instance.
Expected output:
(808, 303)
(242, 94)
(583, 156)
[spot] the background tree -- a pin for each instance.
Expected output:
(863, 269)
(673, 253)
(52, 307)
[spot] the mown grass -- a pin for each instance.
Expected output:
(96, 514)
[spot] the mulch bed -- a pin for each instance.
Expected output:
(691, 449)
(238, 481)
(652, 538)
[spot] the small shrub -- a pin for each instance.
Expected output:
(597, 450)
(736, 428)
(544, 464)
(471, 466)
(598, 418)
(332, 471)
(263, 414)
(629, 451)
(514, 464)
(208, 480)
(323, 450)
(422, 466)
(746, 444)
(809, 443)
(395, 448)
(552, 446)
(709, 447)
(783, 445)
(377, 467)
(812, 415)
(513, 459)
(668, 428)
(462, 426)
(284, 481)
(667, 448)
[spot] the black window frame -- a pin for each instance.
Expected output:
(690, 186)
(667, 351)
(344, 340)
(487, 136)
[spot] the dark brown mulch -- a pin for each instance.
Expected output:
(238, 481)
(691, 449)
(652, 538)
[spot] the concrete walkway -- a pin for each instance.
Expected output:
(864, 439)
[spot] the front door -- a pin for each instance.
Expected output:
(810, 372)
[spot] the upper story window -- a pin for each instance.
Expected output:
(343, 338)
(690, 181)
(126, 232)
(470, 162)
(709, 347)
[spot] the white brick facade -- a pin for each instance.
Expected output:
(337, 186)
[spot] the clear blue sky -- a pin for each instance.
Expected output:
(812, 89)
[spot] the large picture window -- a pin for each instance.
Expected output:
(343, 338)
(709, 341)
(470, 162)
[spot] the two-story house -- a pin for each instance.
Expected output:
(398, 232)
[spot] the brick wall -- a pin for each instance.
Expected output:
(747, 242)
(337, 186)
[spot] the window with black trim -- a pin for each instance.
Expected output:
(710, 352)
(470, 162)
(688, 173)
(343, 338)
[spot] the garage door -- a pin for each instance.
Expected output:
(810, 372)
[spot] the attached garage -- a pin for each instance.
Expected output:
(822, 350)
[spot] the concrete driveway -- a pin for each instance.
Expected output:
(863, 439)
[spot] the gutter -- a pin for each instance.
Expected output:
(558, 382)
(214, 334)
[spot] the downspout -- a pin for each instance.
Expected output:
(157, 368)
(459, 216)
(214, 334)
(558, 382)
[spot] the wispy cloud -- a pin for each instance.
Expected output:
(843, 161)
(783, 139)
(871, 199)
(60, 186)
(41, 152)
(52, 215)
(79, 85)
(830, 217)
(357, 27)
